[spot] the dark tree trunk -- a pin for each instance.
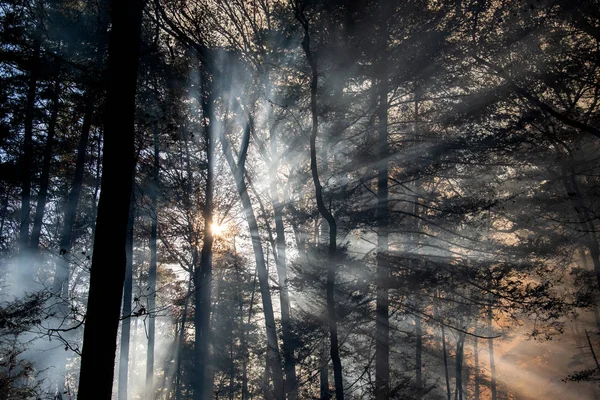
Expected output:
(109, 259)
(152, 272)
(203, 274)
(323, 211)
(245, 392)
(45, 177)
(61, 275)
(291, 385)
(193, 267)
(445, 357)
(382, 323)
(458, 394)
(444, 351)
(476, 362)
(244, 349)
(492, 362)
(127, 294)
(382, 334)
(60, 284)
(181, 337)
(238, 170)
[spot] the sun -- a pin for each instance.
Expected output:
(217, 229)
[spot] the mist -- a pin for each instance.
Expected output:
(206, 199)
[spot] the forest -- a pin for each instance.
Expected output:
(299, 199)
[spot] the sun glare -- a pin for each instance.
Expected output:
(217, 229)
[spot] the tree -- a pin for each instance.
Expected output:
(102, 316)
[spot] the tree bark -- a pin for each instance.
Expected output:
(107, 273)
(127, 294)
(476, 393)
(203, 274)
(152, 271)
(418, 352)
(382, 327)
(444, 352)
(492, 362)
(458, 394)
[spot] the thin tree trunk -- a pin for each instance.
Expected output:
(238, 170)
(444, 352)
(231, 368)
(152, 272)
(324, 211)
(458, 394)
(244, 349)
(418, 352)
(181, 338)
(109, 258)
(476, 362)
(45, 177)
(492, 362)
(61, 275)
(127, 294)
(382, 328)
(193, 269)
(60, 285)
(245, 392)
(203, 275)
(291, 385)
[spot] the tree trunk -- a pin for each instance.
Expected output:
(45, 178)
(238, 170)
(109, 259)
(181, 337)
(476, 362)
(324, 372)
(152, 272)
(418, 352)
(244, 349)
(203, 274)
(444, 352)
(291, 385)
(492, 362)
(193, 268)
(458, 394)
(60, 284)
(61, 274)
(127, 294)
(382, 328)
(324, 212)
